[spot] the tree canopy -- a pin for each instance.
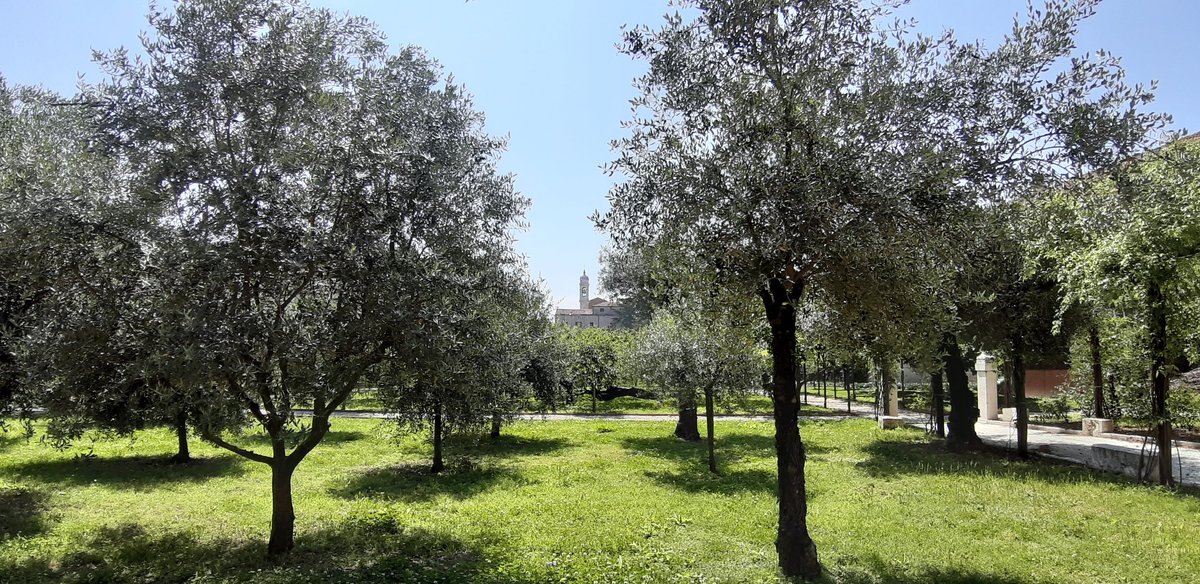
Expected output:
(297, 204)
(1127, 239)
(797, 148)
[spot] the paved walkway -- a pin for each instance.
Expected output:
(1052, 442)
(1055, 443)
(1046, 441)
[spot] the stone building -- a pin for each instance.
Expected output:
(593, 312)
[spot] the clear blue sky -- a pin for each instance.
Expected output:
(547, 75)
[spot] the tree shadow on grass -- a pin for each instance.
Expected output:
(902, 457)
(737, 446)
(11, 439)
(731, 447)
(879, 571)
(132, 472)
(475, 465)
(21, 512)
(692, 457)
(699, 480)
(364, 548)
(506, 446)
(412, 482)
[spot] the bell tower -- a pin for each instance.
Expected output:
(583, 290)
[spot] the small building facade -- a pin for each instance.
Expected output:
(594, 312)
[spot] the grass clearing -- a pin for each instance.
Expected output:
(752, 405)
(581, 501)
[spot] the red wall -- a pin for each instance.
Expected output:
(1041, 382)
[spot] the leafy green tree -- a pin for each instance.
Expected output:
(73, 295)
(546, 371)
(695, 354)
(1108, 367)
(1030, 115)
(520, 337)
(319, 197)
(661, 355)
(594, 358)
(474, 366)
(1013, 305)
(790, 145)
(643, 286)
(782, 144)
(1128, 240)
(38, 143)
(436, 387)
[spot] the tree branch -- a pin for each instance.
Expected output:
(244, 453)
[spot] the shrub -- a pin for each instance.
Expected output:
(1183, 405)
(918, 398)
(1057, 406)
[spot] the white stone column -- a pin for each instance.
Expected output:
(887, 378)
(891, 401)
(985, 377)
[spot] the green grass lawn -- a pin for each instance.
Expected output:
(749, 405)
(754, 405)
(620, 405)
(862, 392)
(581, 501)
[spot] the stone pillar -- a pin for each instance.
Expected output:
(985, 376)
(891, 399)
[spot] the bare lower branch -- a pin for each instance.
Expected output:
(238, 450)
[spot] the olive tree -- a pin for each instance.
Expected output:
(661, 355)
(318, 196)
(789, 145)
(593, 361)
(779, 142)
(1129, 240)
(695, 354)
(72, 244)
(1029, 115)
(474, 366)
(43, 217)
(520, 369)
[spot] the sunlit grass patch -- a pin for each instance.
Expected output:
(582, 501)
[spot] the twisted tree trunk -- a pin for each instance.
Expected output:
(963, 409)
(708, 420)
(796, 549)
(687, 427)
(1098, 407)
(181, 433)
